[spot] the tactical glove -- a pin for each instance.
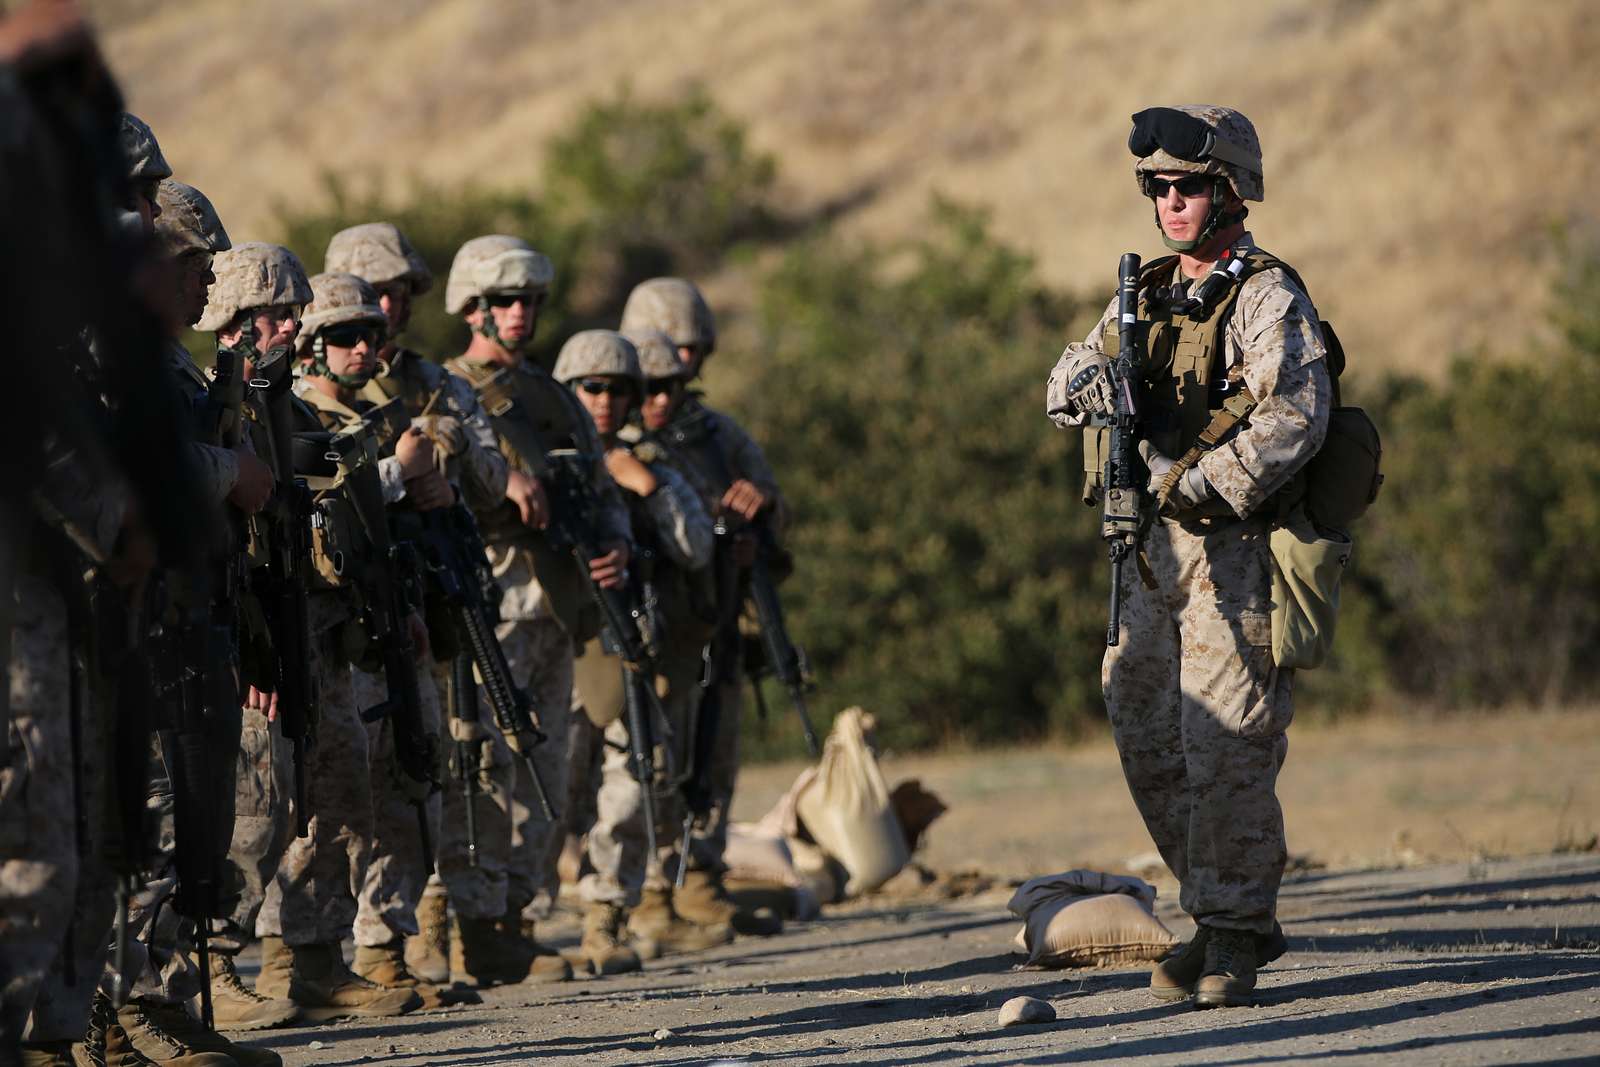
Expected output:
(1189, 491)
(1089, 384)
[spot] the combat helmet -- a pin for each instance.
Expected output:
(658, 356)
(143, 153)
(496, 263)
(380, 253)
(253, 275)
(598, 352)
(337, 298)
(675, 307)
(188, 222)
(1199, 139)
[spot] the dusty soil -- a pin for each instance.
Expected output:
(1486, 957)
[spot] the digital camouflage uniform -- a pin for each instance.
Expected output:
(676, 526)
(397, 875)
(538, 645)
(1197, 706)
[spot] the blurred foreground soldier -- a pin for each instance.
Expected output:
(736, 485)
(672, 549)
(310, 905)
(254, 309)
(394, 909)
(498, 284)
(1197, 705)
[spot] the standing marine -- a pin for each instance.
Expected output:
(1198, 706)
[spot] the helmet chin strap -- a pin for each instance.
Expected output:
(319, 368)
(1216, 219)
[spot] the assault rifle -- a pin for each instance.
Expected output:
(1121, 522)
(387, 581)
(461, 704)
(456, 566)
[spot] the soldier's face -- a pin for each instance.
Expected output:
(356, 351)
(395, 299)
(274, 327)
(194, 280)
(514, 315)
(660, 399)
(1182, 217)
(692, 356)
(607, 398)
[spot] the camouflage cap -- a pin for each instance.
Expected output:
(188, 222)
(595, 352)
(336, 298)
(1230, 127)
(139, 146)
(380, 253)
(497, 263)
(658, 356)
(673, 306)
(253, 275)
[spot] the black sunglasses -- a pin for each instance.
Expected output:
(1189, 186)
(349, 334)
(505, 300)
(657, 386)
(597, 386)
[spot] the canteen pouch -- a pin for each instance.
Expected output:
(1343, 478)
(1307, 567)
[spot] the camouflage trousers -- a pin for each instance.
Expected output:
(311, 900)
(617, 861)
(541, 657)
(50, 883)
(264, 817)
(397, 870)
(710, 838)
(1199, 710)
(476, 874)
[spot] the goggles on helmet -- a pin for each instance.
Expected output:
(1182, 135)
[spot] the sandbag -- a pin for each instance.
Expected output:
(1088, 919)
(757, 856)
(846, 808)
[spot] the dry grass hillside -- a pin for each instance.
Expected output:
(1417, 152)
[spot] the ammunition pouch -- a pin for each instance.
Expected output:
(335, 538)
(1096, 447)
(1308, 564)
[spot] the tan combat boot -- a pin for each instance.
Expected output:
(324, 988)
(132, 1038)
(1174, 975)
(428, 950)
(705, 902)
(658, 929)
(545, 964)
(235, 1006)
(1229, 979)
(175, 1021)
(385, 965)
(480, 957)
(602, 931)
(277, 964)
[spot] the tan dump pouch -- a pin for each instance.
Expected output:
(1307, 568)
(1343, 478)
(597, 678)
(1096, 446)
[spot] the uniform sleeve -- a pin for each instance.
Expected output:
(1274, 330)
(86, 504)
(484, 470)
(1055, 391)
(746, 460)
(217, 468)
(682, 525)
(394, 483)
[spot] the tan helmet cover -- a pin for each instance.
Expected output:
(380, 253)
(139, 146)
(658, 356)
(253, 275)
(188, 222)
(497, 263)
(1230, 126)
(337, 298)
(673, 306)
(595, 352)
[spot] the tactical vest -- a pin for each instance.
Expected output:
(1191, 403)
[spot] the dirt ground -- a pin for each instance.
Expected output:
(1441, 931)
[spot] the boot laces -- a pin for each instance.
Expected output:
(229, 980)
(1229, 944)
